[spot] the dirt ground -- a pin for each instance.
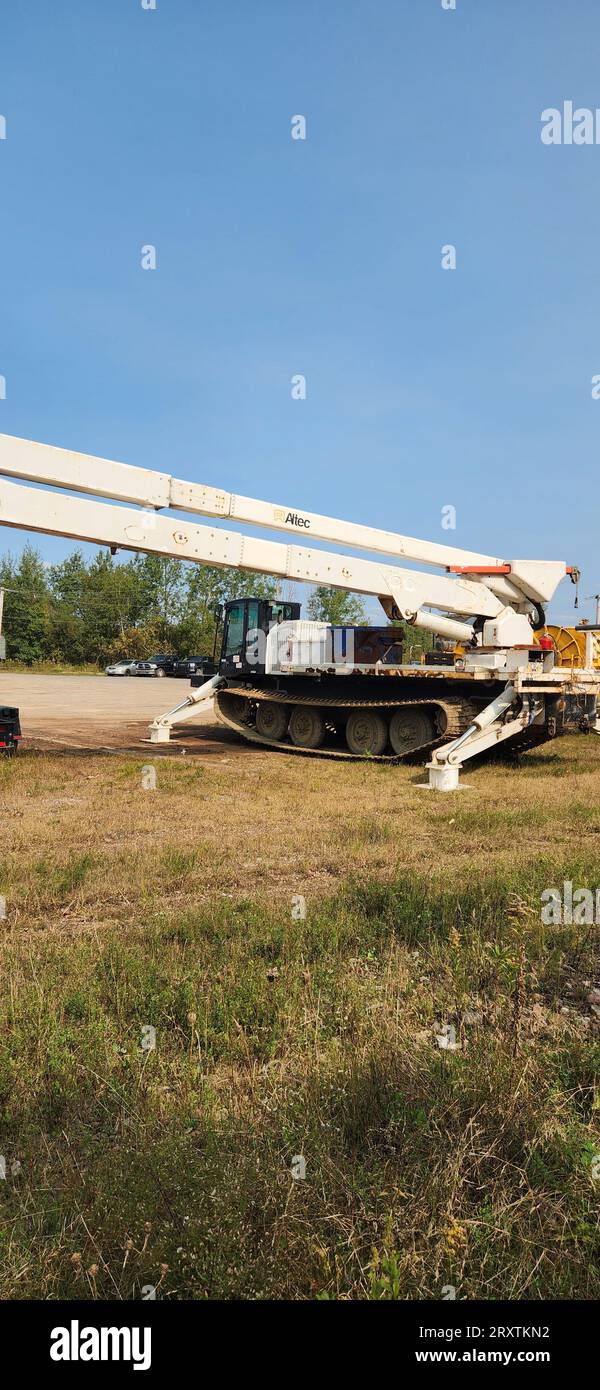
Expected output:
(109, 712)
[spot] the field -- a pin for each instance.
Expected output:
(277, 1027)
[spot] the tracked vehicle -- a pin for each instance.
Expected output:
(346, 691)
(316, 688)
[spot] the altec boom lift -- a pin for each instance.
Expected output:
(304, 685)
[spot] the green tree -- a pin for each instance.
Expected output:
(161, 582)
(101, 605)
(97, 610)
(136, 643)
(27, 607)
(337, 606)
(67, 636)
(91, 603)
(208, 587)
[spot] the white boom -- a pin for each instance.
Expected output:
(44, 463)
(34, 510)
(485, 587)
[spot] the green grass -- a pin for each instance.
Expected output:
(277, 1038)
(52, 668)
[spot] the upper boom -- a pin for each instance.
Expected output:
(485, 587)
(44, 463)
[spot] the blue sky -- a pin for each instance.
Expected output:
(276, 256)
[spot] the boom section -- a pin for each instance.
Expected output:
(43, 463)
(56, 514)
(517, 583)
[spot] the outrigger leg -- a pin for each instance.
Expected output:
(160, 729)
(492, 726)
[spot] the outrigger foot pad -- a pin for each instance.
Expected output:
(443, 777)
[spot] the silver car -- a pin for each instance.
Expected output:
(145, 668)
(119, 668)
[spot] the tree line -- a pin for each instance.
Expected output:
(92, 611)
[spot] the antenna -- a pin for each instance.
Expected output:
(596, 597)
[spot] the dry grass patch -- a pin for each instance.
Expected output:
(279, 1036)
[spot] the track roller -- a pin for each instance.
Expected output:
(410, 729)
(366, 732)
(306, 727)
(271, 720)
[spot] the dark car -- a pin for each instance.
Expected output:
(166, 661)
(10, 729)
(194, 666)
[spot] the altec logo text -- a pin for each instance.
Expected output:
(77, 1343)
(295, 519)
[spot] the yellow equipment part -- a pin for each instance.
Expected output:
(569, 645)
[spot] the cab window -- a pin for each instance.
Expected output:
(280, 613)
(253, 635)
(235, 629)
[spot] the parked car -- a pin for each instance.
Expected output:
(166, 660)
(119, 668)
(10, 730)
(194, 665)
(145, 668)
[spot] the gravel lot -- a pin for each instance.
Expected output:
(104, 711)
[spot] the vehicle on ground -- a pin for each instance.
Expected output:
(10, 729)
(145, 668)
(348, 691)
(166, 660)
(316, 687)
(188, 666)
(119, 668)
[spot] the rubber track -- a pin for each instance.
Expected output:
(529, 738)
(459, 713)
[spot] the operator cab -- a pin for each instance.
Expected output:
(245, 621)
